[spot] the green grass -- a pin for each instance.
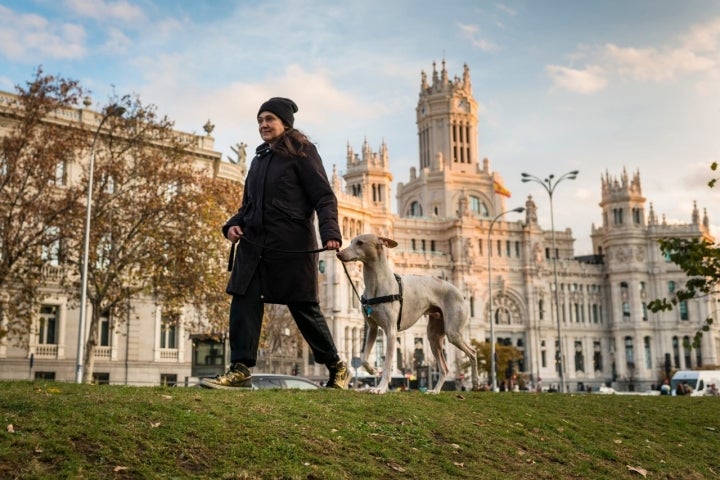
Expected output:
(74, 431)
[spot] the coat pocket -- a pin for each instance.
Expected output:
(290, 209)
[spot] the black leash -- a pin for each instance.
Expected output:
(231, 260)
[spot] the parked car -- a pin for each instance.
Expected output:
(261, 381)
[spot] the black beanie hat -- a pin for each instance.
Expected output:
(284, 108)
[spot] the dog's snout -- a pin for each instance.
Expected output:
(345, 255)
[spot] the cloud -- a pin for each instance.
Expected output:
(6, 84)
(692, 54)
(655, 65)
(326, 110)
(703, 38)
(504, 8)
(116, 42)
(589, 80)
(471, 32)
(103, 10)
(31, 37)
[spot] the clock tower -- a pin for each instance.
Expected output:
(449, 177)
(447, 122)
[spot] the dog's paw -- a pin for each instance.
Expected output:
(378, 391)
(369, 368)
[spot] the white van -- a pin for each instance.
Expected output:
(698, 380)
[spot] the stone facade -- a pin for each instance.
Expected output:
(445, 211)
(444, 214)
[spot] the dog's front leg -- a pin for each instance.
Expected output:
(370, 337)
(390, 340)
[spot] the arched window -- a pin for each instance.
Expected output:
(478, 207)
(629, 352)
(683, 307)
(579, 357)
(648, 353)
(415, 209)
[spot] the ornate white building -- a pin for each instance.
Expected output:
(444, 212)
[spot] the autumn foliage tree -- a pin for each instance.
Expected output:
(280, 339)
(37, 145)
(506, 355)
(156, 211)
(156, 217)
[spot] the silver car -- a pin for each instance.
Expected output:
(261, 381)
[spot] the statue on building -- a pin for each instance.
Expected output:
(538, 253)
(239, 150)
(469, 252)
(463, 205)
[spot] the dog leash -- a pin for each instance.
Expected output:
(231, 259)
(367, 303)
(365, 313)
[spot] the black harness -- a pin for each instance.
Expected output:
(368, 302)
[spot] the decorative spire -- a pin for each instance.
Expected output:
(335, 179)
(466, 78)
(350, 155)
(530, 211)
(652, 219)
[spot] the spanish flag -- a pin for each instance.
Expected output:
(500, 189)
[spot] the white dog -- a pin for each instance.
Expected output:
(395, 303)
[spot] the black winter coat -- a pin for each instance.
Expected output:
(280, 199)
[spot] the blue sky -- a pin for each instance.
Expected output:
(562, 85)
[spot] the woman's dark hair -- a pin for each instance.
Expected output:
(292, 143)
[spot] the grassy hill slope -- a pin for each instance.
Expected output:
(60, 430)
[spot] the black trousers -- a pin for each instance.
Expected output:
(246, 315)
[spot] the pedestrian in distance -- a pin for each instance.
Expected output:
(275, 256)
(712, 391)
(665, 388)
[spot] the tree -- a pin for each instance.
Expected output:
(155, 226)
(506, 355)
(280, 340)
(700, 260)
(36, 150)
(631, 376)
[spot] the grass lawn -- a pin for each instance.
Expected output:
(62, 430)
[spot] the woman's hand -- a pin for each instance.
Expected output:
(234, 233)
(332, 245)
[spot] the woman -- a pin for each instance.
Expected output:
(285, 185)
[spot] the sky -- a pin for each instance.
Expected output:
(602, 87)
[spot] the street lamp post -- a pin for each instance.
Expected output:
(549, 185)
(493, 366)
(111, 111)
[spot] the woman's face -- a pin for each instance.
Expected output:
(270, 126)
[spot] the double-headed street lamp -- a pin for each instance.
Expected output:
(493, 366)
(113, 110)
(549, 185)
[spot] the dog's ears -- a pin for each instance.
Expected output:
(388, 242)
